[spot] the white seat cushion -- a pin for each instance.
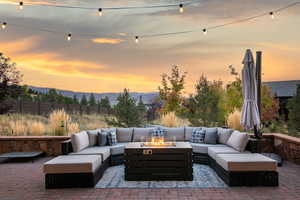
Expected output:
(80, 141)
(104, 151)
(246, 162)
(73, 164)
(117, 149)
(203, 148)
(212, 151)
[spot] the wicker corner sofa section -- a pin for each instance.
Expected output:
(227, 157)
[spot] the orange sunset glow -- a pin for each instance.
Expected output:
(103, 57)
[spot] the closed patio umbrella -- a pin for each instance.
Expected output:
(250, 117)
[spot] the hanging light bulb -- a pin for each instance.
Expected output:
(181, 8)
(3, 26)
(69, 36)
(100, 12)
(21, 5)
(136, 39)
(271, 15)
(204, 31)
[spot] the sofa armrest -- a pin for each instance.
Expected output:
(66, 147)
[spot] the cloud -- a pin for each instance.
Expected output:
(107, 40)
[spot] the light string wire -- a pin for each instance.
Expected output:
(115, 8)
(204, 29)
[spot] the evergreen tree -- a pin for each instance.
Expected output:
(83, 101)
(204, 107)
(142, 109)
(92, 100)
(75, 100)
(126, 113)
(104, 105)
(294, 112)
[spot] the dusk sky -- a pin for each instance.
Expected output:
(111, 61)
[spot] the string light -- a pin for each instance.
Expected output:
(21, 5)
(69, 36)
(219, 26)
(100, 12)
(181, 8)
(271, 15)
(3, 26)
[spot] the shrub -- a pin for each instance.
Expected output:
(58, 121)
(18, 127)
(73, 128)
(36, 128)
(171, 120)
(234, 120)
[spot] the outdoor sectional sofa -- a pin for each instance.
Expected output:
(83, 161)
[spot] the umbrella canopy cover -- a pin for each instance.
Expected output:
(250, 114)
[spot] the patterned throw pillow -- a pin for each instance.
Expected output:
(158, 132)
(198, 135)
(112, 138)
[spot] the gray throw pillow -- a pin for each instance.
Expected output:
(102, 138)
(211, 135)
(223, 135)
(93, 137)
(112, 138)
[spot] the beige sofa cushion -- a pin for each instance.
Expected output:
(203, 148)
(238, 140)
(103, 151)
(223, 135)
(73, 164)
(188, 132)
(93, 137)
(80, 141)
(175, 133)
(124, 134)
(212, 151)
(246, 162)
(139, 133)
(117, 149)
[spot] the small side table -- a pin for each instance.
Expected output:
(255, 145)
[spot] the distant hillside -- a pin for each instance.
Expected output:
(147, 96)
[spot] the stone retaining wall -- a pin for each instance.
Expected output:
(48, 144)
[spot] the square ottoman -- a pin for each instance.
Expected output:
(73, 171)
(242, 169)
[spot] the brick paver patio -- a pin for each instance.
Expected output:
(26, 181)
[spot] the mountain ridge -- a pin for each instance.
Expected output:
(147, 97)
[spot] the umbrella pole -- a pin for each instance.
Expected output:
(257, 132)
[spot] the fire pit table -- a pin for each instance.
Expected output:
(169, 161)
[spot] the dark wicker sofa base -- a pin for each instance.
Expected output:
(243, 178)
(251, 178)
(71, 180)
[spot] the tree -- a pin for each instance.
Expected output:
(92, 100)
(269, 105)
(204, 107)
(142, 109)
(83, 101)
(294, 112)
(104, 105)
(10, 77)
(171, 90)
(126, 113)
(75, 100)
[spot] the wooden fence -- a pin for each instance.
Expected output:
(44, 108)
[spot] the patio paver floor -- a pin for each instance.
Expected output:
(26, 181)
